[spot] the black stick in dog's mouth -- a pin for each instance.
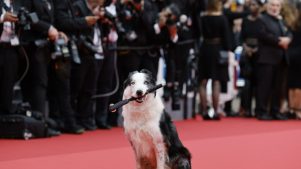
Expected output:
(142, 98)
(113, 107)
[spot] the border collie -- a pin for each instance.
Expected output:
(149, 128)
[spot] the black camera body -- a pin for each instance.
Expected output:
(26, 18)
(61, 49)
(170, 21)
(173, 16)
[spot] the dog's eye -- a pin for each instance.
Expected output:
(132, 83)
(146, 82)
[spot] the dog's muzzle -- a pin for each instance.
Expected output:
(140, 96)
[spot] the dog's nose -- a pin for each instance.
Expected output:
(139, 93)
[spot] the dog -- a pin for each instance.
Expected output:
(149, 129)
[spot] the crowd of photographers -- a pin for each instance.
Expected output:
(74, 54)
(65, 51)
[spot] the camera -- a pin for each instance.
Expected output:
(26, 18)
(170, 21)
(61, 49)
(124, 23)
(173, 14)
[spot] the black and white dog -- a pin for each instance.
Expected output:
(149, 128)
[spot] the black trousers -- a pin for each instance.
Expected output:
(9, 63)
(270, 83)
(247, 95)
(176, 61)
(105, 85)
(59, 97)
(34, 85)
(83, 87)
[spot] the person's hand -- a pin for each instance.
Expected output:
(162, 19)
(101, 13)
(10, 17)
(64, 36)
(91, 20)
(284, 42)
(173, 31)
(227, 4)
(254, 50)
(53, 34)
(248, 50)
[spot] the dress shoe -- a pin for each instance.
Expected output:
(52, 132)
(73, 129)
(280, 116)
(265, 116)
(206, 116)
(290, 115)
(104, 126)
(232, 114)
(89, 127)
(216, 117)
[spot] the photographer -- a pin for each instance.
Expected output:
(108, 66)
(166, 29)
(9, 56)
(135, 34)
(81, 19)
(39, 42)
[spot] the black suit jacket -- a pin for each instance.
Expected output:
(270, 31)
(81, 10)
(67, 19)
(45, 12)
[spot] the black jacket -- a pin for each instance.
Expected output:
(67, 19)
(45, 12)
(270, 31)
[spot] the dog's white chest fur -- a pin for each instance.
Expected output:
(141, 125)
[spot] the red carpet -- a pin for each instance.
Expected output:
(228, 144)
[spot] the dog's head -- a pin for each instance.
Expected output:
(137, 84)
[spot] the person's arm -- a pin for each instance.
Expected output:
(41, 26)
(65, 20)
(8, 16)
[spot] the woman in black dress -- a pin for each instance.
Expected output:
(216, 33)
(294, 69)
(249, 35)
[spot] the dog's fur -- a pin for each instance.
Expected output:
(149, 128)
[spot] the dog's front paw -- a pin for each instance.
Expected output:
(182, 164)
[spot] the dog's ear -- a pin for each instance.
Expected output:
(146, 72)
(149, 76)
(129, 79)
